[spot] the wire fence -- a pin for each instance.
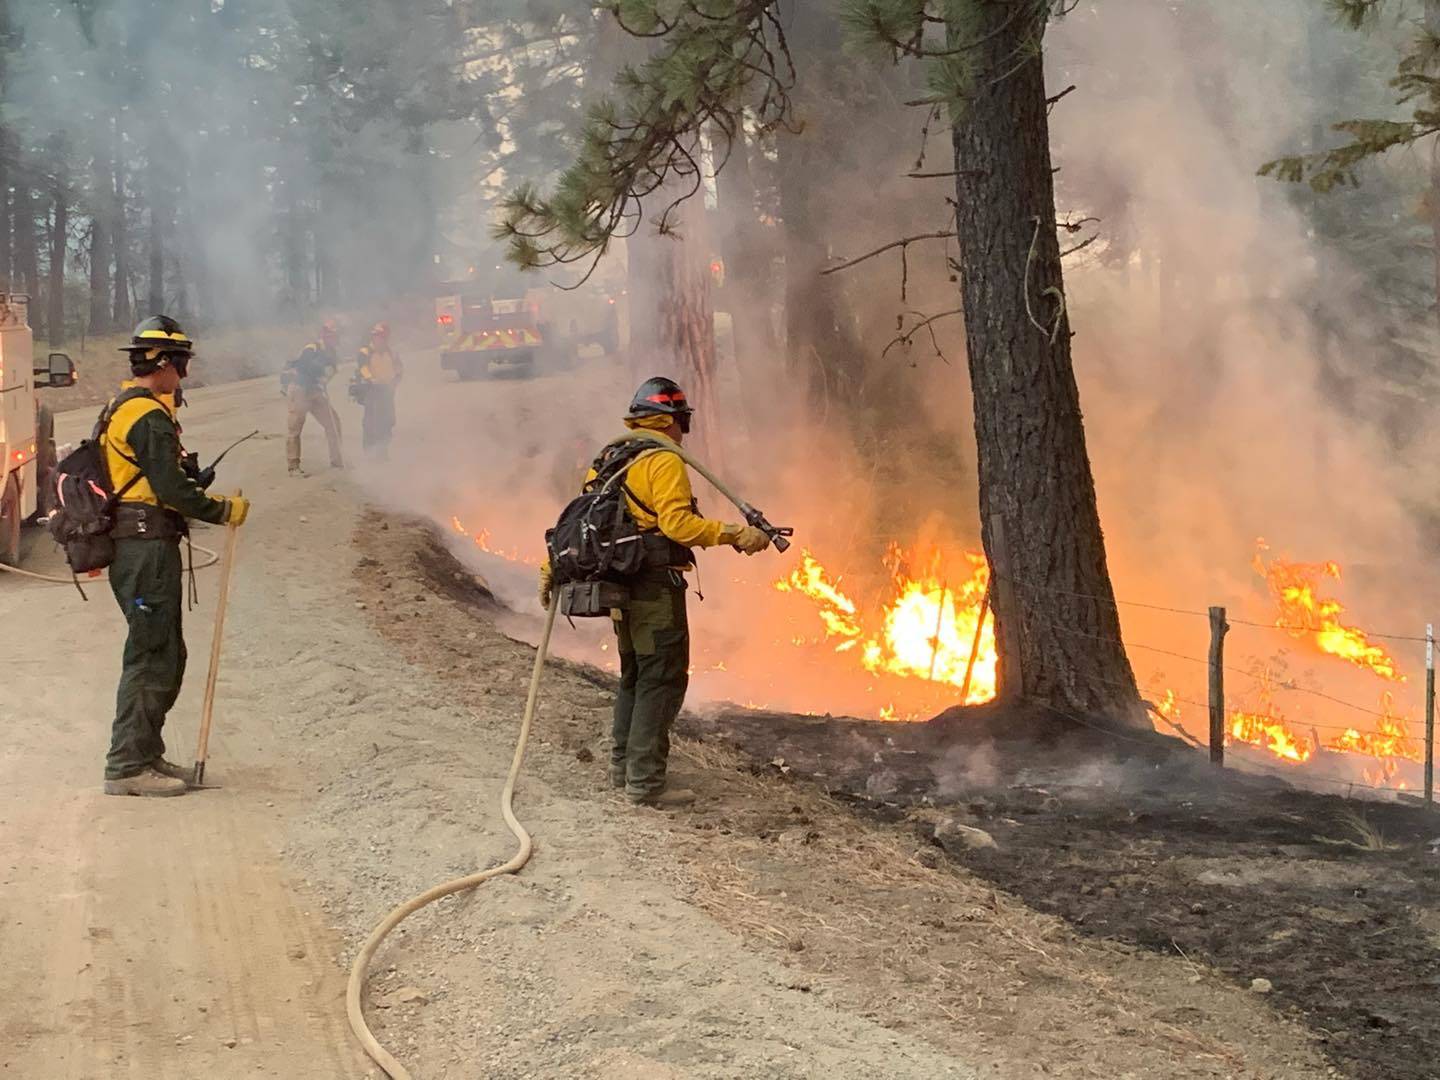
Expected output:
(1269, 683)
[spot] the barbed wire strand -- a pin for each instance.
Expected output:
(1290, 628)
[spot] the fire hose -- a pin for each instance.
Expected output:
(204, 477)
(355, 1012)
(211, 559)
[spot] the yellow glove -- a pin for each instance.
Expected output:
(750, 540)
(237, 508)
(546, 582)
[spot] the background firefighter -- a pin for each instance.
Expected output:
(653, 630)
(303, 383)
(378, 371)
(140, 435)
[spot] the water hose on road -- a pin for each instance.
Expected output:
(50, 579)
(356, 1013)
(355, 988)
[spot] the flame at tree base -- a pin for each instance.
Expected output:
(931, 626)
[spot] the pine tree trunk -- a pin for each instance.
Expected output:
(1057, 625)
(819, 348)
(1432, 26)
(155, 240)
(122, 311)
(27, 255)
(5, 250)
(59, 244)
(745, 293)
(672, 326)
(100, 258)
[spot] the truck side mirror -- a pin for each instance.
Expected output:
(62, 370)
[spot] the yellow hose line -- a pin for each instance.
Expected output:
(214, 558)
(356, 986)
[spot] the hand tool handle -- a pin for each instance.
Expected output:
(227, 564)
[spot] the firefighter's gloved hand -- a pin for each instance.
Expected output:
(750, 540)
(546, 585)
(237, 509)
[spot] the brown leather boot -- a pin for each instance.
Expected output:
(149, 784)
(178, 772)
(669, 799)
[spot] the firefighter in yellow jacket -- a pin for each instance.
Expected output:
(653, 630)
(141, 442)
(377, 374)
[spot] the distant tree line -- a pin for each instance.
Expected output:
(223, 160)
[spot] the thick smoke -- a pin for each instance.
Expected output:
(1236, 385)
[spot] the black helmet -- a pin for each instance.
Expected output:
(157, 332)
(659, 396)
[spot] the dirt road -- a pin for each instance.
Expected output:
(161, 938)
(367, 708)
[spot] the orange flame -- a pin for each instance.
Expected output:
(1308, 615)
(1389, 744)
(925, 630)
(482, 541)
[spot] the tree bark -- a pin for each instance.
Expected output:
(122, 312)
(100, 257)
(59, 245)
(155, 240)
(819, 346)
(5, 251)
(672, 325)
(27, 256)
(1432, 26)
(746, 291)
(1057, 623)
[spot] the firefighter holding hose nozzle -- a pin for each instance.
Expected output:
(652, 631)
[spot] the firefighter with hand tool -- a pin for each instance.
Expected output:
(650, 618)
(303, 383)
(140, 440)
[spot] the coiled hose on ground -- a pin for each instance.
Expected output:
(356, 985)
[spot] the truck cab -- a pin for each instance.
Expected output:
(27, 431)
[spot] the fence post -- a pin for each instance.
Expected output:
(1429, 714)
(1218, 627)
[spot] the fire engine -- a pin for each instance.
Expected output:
(27, 431)
(482, 336)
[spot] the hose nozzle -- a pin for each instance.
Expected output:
(778, 534)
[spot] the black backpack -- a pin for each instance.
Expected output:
(85, 502)
(596, 538)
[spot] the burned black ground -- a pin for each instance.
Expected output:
(1333, 901)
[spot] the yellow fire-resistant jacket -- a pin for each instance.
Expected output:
(661, 481)
(379, 366)
(143, 436)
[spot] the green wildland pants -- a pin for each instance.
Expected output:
(654, 644)
(146, 580)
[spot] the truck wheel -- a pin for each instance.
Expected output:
(10, 522)
(45, 460)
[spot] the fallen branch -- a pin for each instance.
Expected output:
(902, 242)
